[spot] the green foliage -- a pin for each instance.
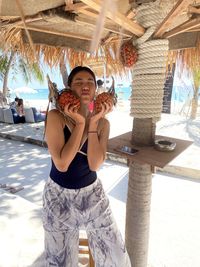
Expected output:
(3, 66)
(37, 72)
(196, 77)
(22, 66)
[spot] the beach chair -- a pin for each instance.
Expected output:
(1, 115)
(11, 116)
(32, 115)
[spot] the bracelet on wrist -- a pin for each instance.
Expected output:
(92, 132)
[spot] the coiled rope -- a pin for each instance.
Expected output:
(150, 69)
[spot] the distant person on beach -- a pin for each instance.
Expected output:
(73, 196)
(20, 107)
(20, 110)
(14, 103)
(100, 88)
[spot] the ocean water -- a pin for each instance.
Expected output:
(179, 94)
(42, 94)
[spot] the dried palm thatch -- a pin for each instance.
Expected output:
(106, 54)
(104, 42)
(24, 28)
(188, 59)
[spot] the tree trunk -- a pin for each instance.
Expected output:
(194, 105)
(143, 133)
(139, 197)
(146, 107)
(5, 80)
(64, 73)
(138, 213)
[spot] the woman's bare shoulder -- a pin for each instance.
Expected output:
(55, 116)
(55, 113)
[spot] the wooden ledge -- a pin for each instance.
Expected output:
(147, 154)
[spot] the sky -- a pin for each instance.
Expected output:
(54, 75)
(18, 80)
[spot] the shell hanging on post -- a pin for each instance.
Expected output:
(53, 90)
(112, 92)
(109, 97)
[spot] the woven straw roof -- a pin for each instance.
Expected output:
(66, 28)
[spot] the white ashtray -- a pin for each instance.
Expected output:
(164, 145)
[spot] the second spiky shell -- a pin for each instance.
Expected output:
(66, 96)
(109, 97)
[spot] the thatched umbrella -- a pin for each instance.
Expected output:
(188, 60)
(66, 29)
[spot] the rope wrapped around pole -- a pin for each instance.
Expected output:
(146, 105)
(150, 69)
(149, 76)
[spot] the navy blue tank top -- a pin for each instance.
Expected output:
(78, 174)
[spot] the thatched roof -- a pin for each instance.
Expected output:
(66, 28)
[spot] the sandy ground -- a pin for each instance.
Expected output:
(175, 211)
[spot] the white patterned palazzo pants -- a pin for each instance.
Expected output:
(65, 211)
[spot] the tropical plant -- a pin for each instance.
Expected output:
(188, 60)
(12, 63)
(196, 85)
(63, 71)
(5, 64)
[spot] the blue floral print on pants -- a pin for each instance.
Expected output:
(66, 211)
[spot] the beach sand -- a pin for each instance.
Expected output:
(177, 108)
(40, 105)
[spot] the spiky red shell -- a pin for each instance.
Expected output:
(128, 54)
(67, 97)
(104, 97)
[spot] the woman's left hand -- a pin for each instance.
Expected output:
(106, 108)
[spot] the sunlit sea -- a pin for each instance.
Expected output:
(42, 94)
(178, 94)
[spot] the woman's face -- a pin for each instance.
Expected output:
(84, 86)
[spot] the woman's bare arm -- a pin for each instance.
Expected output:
(97, 145)
(62, 153)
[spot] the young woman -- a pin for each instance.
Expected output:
(20, 110)
(73, 195)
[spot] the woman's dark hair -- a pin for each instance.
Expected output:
(99, 82)
(77, 70)
(20, 101)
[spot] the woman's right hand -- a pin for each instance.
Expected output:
(72, 112)
(105, 109)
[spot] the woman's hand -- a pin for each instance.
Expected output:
(72, 112)
(106, 108)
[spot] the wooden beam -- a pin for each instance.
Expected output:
(47, 15)
(183, 40)
(107, 26)
(75, 7)
(19, 22)
(57, 41)
(66, 34)
(184, 27)
(112, 39)
(193, 10)
(131, 14)
(195, 29)
(117, 17)
(108, 38)
(167, 22)
(68, 2)
(89, 13)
